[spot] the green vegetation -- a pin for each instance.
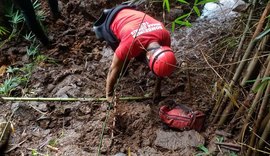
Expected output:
(19, 77)
(3, 31)
(16, 20)
(32, 50)
(16, 77)
(183, 20)
(204, 150)
(30, 37)
(9, 85)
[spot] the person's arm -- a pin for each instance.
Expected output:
(112, 76)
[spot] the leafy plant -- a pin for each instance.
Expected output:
(32, 50)
(40, 14)
(15, 16)
(12, 70)
(52, 142)
(219, 139)
(233, 154)
(41, 58)
(29, 37)
(27, 73)
(166, 4)
(262, 34)
(20, 77)
(183, 19)
(9, 85)
(204, 149)
(3, 31)
(262, 85)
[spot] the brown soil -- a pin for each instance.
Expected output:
(79, 70)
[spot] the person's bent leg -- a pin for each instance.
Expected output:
(54, 8)
(29, 14)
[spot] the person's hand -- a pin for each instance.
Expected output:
(109, 98)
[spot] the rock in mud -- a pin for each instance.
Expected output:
(178, 140)
(120, 154)
(148, 151)
(5, 130)
(73, 150)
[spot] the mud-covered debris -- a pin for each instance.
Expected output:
(5, 130)
(107, 142)
(73, 150)
(148, 151)
(178, 140)
(44, 122)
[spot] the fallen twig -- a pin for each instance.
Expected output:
(229, 146)
(70, 99)
(55, 149)
(254, 149)
(16, 146)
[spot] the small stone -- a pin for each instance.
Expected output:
(85, 109)
(15, 106)
(146, 142)
(178, 140)
(40, 106)
(104, 107)
(120, 154)
(44, 123)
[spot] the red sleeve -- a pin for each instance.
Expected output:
(122, 52)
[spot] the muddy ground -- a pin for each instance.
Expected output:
(79, 68)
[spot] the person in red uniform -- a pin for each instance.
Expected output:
(132, 34)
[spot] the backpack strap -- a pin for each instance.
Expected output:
(102, 25)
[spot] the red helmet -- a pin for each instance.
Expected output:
(163, 61)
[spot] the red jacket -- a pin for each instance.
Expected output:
(125, 26)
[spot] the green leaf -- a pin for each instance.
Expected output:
(196, 9)
(250, 81)
(34, 152)
(173, 26)
(185, 23)
(12, 70)
(206, 1)
(261, 35)
(183, 16)
(219, 139)
(36, 5)
(183, 1)
(204, 149)
(3, 31)
(265, 79)
(200, 154)
(166, 5)
(263, 84)
(233, 154)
